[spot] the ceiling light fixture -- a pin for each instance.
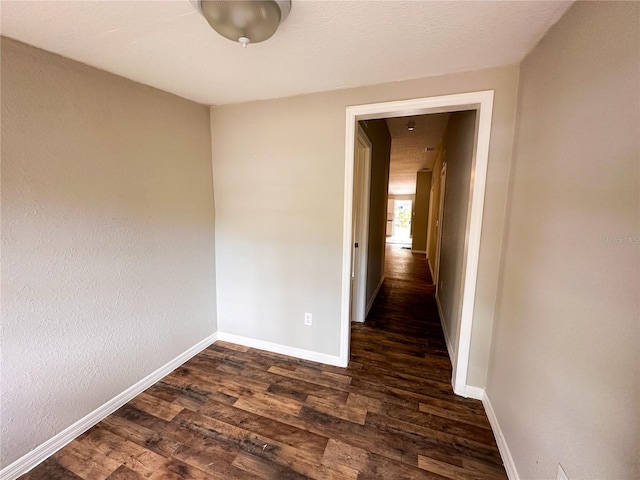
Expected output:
(411, 125)
(244, 21)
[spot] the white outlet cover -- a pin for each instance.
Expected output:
(308, 318)
(561, 474)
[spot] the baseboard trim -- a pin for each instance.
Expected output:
(424, 252)
(473, 392)
(503, 448)
(373, 297)
(445, 331)
(469, 390)
(430, 269)
(51, 446)
(282, 349)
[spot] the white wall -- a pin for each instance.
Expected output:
(107, 239)
(279, 179)
(458, 148)
(565, 373)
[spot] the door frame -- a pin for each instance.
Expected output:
(360, 276)
(482, 102)
(443, 182)
(429, 220)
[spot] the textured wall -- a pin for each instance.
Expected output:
(107, 239)
(279, 209)
(565, 372)
(378, 134)
(458, 147)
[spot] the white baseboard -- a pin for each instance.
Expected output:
(473, 392)
(430, 269)
(469, 391)
(373, 297)
(282, 349)
(445, 331)
(505, 453)
(424, 252)
(51, 446)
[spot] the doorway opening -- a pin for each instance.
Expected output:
(401, 223)
(482, 103)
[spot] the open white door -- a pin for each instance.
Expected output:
(360, 225)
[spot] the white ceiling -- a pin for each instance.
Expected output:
(323, 45)
(408, 149)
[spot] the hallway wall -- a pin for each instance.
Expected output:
(421, 211)
(378, 133)
(565, 373)
(458, 147)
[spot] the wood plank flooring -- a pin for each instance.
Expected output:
(238, 413)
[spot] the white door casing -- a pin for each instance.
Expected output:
(482, 102)
(360, 226)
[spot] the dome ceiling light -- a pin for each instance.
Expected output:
(244, 21)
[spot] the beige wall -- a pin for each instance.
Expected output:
(378, 134)
(107, 239)
(279, 210)
(564, 378)
(458, 147)
(421, 211)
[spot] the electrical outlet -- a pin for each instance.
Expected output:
(561, 475)
(308, 319)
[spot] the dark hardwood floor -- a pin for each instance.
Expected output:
(237, 413)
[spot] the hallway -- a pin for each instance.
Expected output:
(401, 342)
(406, 302)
